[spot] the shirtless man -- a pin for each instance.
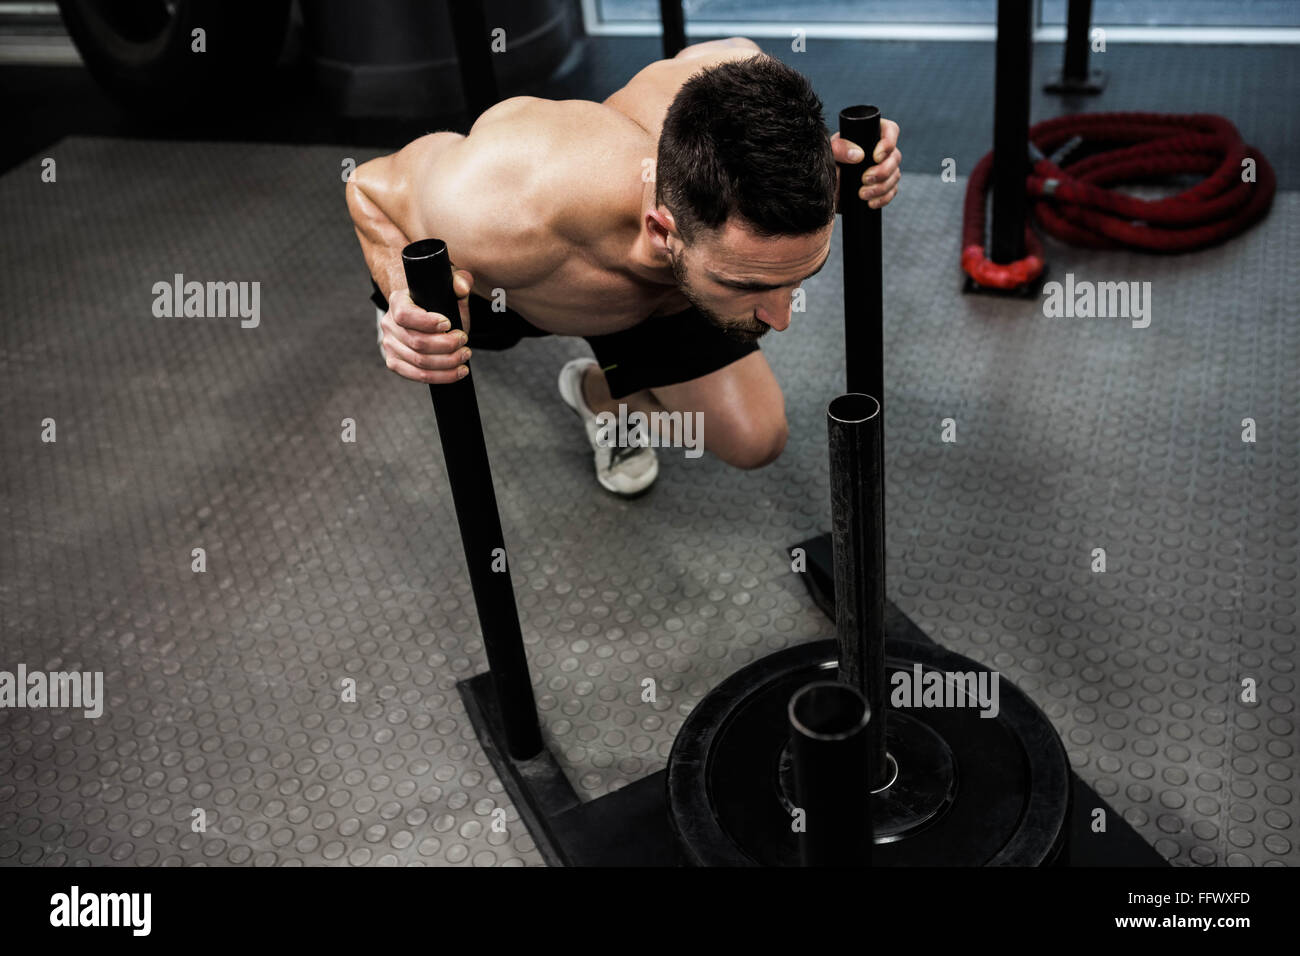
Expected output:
(669, 226)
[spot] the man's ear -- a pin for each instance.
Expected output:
(660, 224)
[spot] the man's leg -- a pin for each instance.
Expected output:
(742, 405)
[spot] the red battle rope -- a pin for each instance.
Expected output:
(1076, 207)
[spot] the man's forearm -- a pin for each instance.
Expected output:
(385, 265)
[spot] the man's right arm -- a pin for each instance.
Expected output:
(392, 199)
(385, 204)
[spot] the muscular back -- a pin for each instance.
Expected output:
(542, 199)
(532, 202)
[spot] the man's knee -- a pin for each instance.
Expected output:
(753, 442)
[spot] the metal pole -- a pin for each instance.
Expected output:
(828, 745)
(674, 24)
(1075, 78)
(864, 315)
(863, 284)
(1011, 130)
(858, 536)
(428, 276)
(1078, 20)
(474, 56)
(864, 340)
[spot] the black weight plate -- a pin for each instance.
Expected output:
(1009, 804)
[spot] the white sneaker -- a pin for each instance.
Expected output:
(626, 471)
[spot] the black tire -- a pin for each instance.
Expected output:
(140, 50)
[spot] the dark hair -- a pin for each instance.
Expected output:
(747, 138)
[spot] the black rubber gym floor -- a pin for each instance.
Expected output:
(331, 562)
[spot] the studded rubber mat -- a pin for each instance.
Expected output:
(334, 564)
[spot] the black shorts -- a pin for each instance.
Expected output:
(662, 350)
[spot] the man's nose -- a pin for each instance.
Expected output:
(775, 310)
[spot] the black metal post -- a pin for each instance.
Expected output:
(864, 340)
(1011, 130)
(428, 276)
(474, 55)
(1075, 77)
(862, 252)
(829, 724)
(864, 301)
(1078, 21)
(674, 24)
(858, 536)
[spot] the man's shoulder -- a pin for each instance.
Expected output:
(528, 142)
(568, 158)
(646, 97)
(538, 179)
(531, 121)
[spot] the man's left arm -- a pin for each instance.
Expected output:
(879, 182)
